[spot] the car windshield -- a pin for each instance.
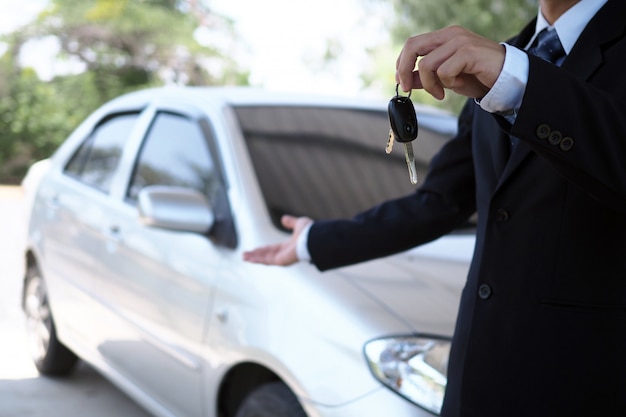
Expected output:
(326, 162)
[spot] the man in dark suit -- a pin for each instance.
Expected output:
(540, 155)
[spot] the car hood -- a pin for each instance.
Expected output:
(421, 287)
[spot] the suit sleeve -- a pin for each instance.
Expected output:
(579, 126)
(443, 202)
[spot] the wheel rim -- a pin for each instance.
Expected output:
(38, 319)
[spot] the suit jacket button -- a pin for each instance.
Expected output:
(484, 291)
(566, 144)
(543, 131)
(555, 137)
(502, 215)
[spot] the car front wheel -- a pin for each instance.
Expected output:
(271, 400)
(50, 356)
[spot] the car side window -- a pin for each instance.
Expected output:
(174, 152)
(95, 161)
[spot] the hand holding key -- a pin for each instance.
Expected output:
(403, 121)
(451, 58)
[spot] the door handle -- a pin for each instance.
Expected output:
(52, 206)
(113, 238)
(53, 202)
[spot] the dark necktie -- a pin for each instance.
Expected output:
(547, 46)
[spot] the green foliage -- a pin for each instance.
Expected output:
(495, 19)
(36, 116)
(138, 42)
(124, 45)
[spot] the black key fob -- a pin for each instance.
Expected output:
(402, 118)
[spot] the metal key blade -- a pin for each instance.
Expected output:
(410, 162)
(390, 141)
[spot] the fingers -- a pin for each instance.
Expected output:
(472, 66)
(266, 255)
(283, 253)
(414, 48)
(451, 58)
(288, 221)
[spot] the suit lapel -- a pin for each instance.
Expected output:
(586, 55)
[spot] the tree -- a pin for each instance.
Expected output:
(130, 43)
(123, 45)
(496, 19)
(32, 116)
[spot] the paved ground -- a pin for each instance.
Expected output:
(23, 393)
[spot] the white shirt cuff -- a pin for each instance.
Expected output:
(506, 95)
(302, 250)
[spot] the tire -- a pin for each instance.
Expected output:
(274, 399)
(50, 356)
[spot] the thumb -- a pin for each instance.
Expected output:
(288, 221)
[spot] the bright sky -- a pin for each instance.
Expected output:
(288, 39)
(284, 41)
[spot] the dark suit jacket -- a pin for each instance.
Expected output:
(541, 329)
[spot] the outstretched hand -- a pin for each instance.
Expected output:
(283, 253)
(452, 58)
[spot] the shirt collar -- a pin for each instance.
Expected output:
(571, 24)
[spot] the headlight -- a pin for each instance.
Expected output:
(413, 366)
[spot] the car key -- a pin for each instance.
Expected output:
(403, 121)
(390, 141)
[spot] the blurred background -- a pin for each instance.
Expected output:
(61, 59)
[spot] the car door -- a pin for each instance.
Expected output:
(73, 199)
(157, 285)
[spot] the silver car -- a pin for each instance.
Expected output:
(137, 225)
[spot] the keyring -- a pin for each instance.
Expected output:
(398, 94)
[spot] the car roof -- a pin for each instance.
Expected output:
(428, 116)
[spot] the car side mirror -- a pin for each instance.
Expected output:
(175, 208)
